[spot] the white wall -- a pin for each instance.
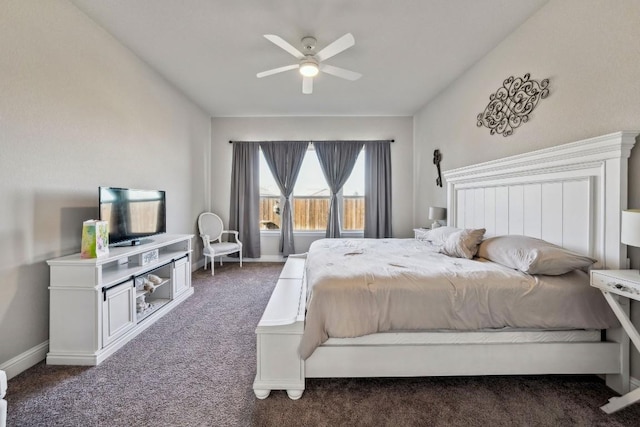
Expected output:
(78, 110)
(315, 128)
(590, 52)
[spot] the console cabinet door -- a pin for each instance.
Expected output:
(181, 276)
(118, 311)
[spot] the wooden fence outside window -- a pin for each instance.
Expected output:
(310, 213)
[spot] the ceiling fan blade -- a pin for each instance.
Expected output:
(307, 85)
(276, 70)
(280, 42)
(340, 72)
(344, 42)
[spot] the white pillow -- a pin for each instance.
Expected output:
(463, 243)
(532, 256)
(439, 235)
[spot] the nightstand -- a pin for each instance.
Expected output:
(420, 233)
(625, 283)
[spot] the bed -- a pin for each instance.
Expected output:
(360, 287)
(570, 195)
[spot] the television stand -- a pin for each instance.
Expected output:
(97, 305)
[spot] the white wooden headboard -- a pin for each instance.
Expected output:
(571, 195)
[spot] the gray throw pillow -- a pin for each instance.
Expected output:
(531, 255)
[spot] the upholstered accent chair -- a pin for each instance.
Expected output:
(211, 230)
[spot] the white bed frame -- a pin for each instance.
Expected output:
(570, 194)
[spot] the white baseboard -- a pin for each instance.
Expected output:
(24, 361)
(634, 383)
(197, 265)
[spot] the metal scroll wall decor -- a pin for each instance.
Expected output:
(437, 158)
(511, 105)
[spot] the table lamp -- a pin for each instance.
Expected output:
(630, 227)
(437, 214)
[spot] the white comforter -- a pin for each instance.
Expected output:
(363, 286)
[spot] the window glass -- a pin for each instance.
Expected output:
(311, 180)
(310, 196)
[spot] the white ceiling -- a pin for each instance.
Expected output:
(407, 50)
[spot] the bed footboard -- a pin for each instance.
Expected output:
(279, 367)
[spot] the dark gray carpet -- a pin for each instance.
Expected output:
(196, 365)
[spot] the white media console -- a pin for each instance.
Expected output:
(97, 305)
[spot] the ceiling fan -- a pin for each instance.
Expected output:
(311, 63)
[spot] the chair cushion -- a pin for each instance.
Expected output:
(224, 247)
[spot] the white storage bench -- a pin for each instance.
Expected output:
(279, 333)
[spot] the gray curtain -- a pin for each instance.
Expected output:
(284, 160)
(377, 189)
(337, 159)
(244, 214)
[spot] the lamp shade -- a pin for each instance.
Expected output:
(630, 229)
(437, 213)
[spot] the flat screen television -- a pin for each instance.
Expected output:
(132, 214)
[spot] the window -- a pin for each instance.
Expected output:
(311, 197)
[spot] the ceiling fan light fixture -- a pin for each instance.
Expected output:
(309, 68)
(309, 62)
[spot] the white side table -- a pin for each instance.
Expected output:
(625, 283)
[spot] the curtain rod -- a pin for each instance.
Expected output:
(346, 140)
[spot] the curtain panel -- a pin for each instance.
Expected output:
(244, 211)
(285, 160)
(337, 159)
(377, 189)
